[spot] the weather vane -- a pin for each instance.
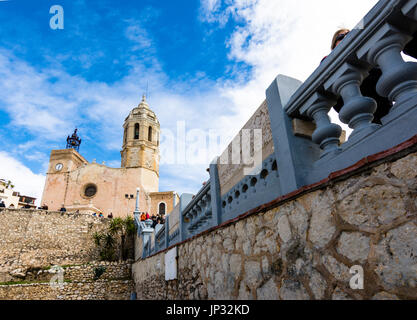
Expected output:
(73, 141)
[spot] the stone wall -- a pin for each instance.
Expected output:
(85, 290)
(84, 272)
(35, 239)
(32, 242)
(304, 248)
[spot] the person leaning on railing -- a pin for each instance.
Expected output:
(154, 221)
(368, 87)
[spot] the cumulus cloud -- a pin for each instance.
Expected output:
(25, 181)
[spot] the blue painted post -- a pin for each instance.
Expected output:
(215, 193)
(295, 155)
(185, 199)
(136, 213)
(167, 221)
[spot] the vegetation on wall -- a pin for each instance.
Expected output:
(98, 272)
(117, 241)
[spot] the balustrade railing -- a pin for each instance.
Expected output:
(198, 215)
(389, 29)
(376, 43)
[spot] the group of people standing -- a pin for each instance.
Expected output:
(156, 219)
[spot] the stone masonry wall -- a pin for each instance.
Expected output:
(32, 242)
(85, 272)
(79, 283)
(34, 239)
(85, 290)
(304, 248)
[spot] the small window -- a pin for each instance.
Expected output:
(136, 131)
(150, 134)
(162, 208)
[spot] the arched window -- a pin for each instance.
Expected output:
(125, 136)
(162, 208)
(150, 134)
(136, 131)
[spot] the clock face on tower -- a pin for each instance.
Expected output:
(59, 166)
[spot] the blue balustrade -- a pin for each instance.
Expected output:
(198, 215)
(376, 44)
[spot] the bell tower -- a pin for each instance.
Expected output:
(141, 139)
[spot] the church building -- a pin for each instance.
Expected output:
(76, 184)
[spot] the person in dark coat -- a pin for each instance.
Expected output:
(63, 209)
(2, 205)
(154, 221)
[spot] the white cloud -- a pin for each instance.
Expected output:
(25, 181)
(279, 37)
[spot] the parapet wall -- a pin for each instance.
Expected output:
(304, 248)
(34, 239)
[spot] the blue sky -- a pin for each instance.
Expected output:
(206, 63)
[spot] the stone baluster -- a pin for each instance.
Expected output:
(327, 134)
(410, 9)
(399, 78)
(357, 111)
